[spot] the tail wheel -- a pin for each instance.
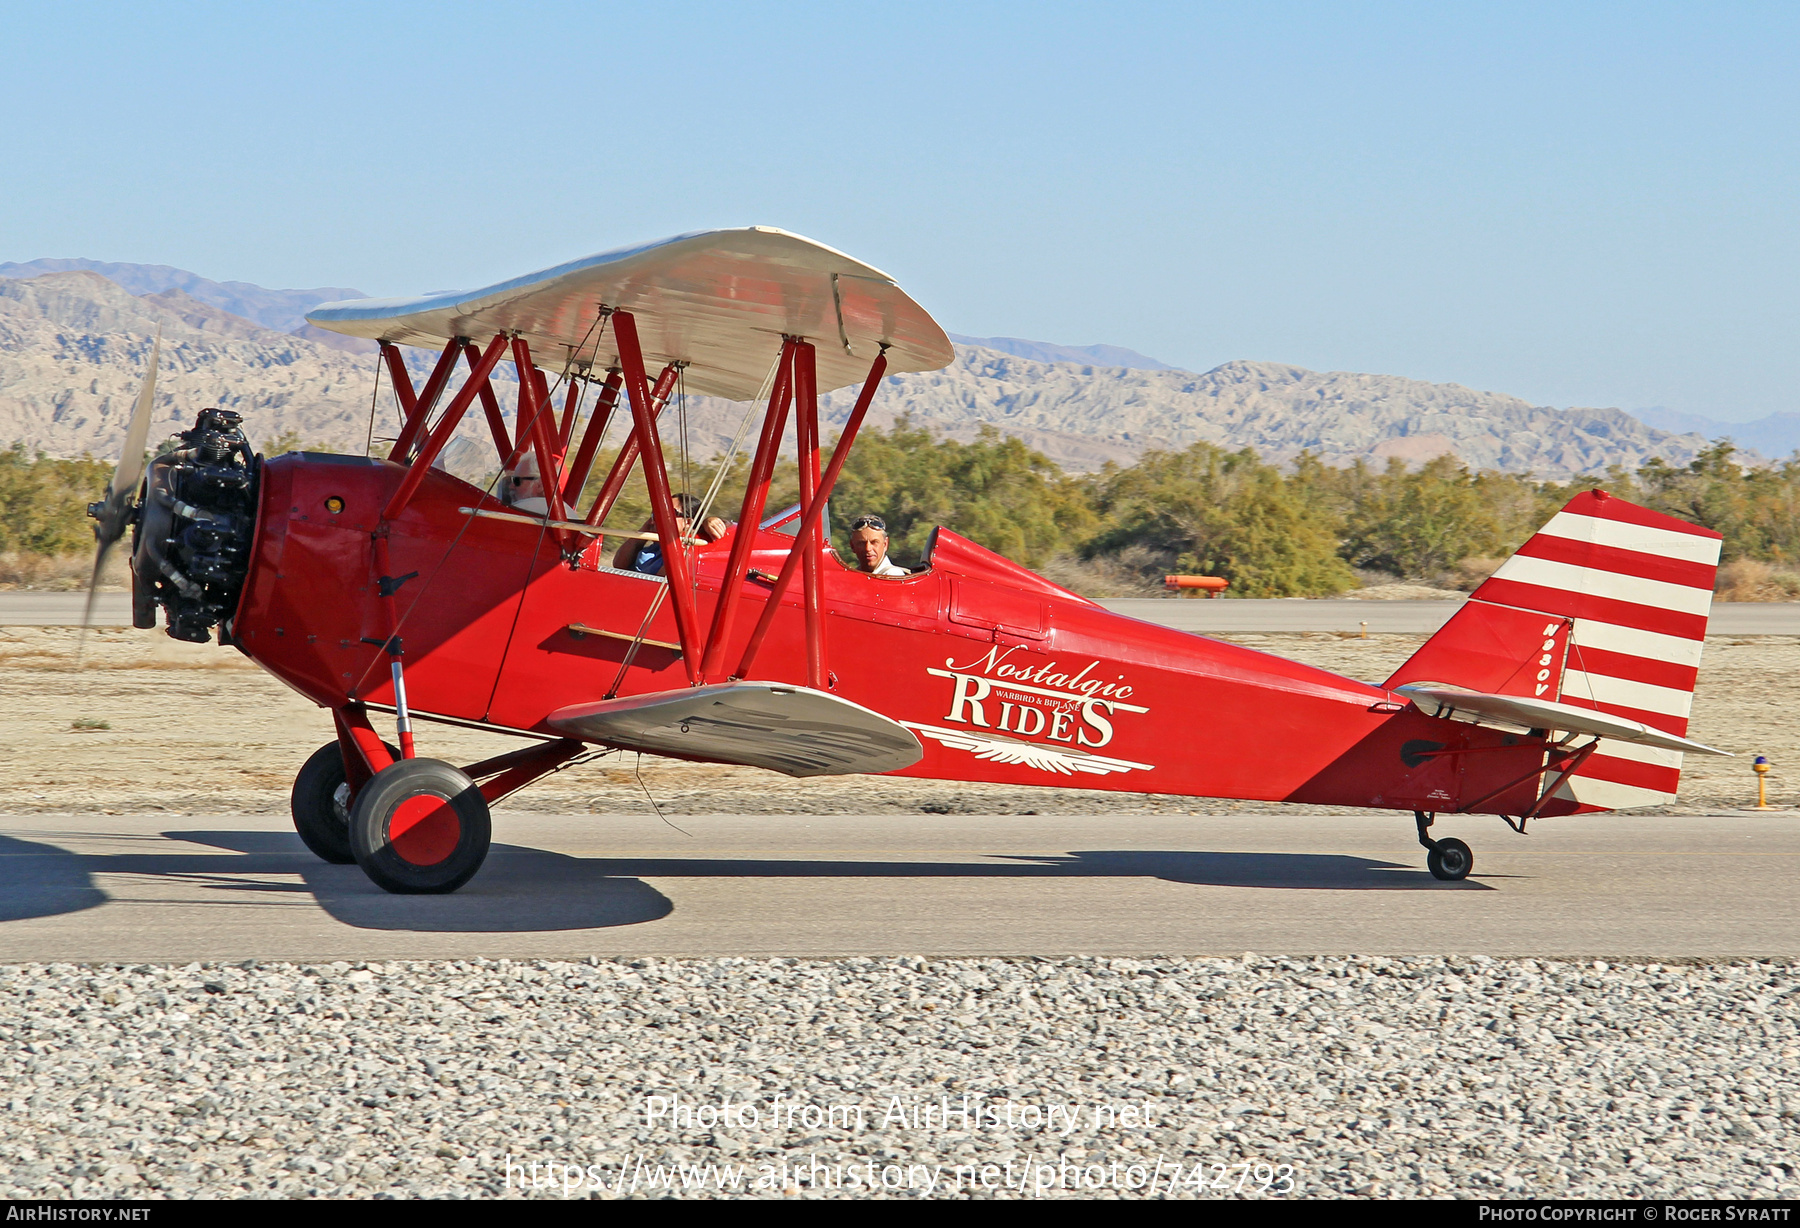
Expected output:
(1450, 860)
(321, 804)
(419, 827)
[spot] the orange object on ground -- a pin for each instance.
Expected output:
(1212, 586)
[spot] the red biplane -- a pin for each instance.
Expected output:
(377, 585)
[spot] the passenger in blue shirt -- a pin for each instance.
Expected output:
(647, 557)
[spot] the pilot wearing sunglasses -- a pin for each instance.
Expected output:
(869, 544)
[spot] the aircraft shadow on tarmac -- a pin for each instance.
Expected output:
(41, 880)
(1293, 871)
(518, 890)
(527, 890)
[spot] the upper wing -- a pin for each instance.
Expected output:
(718, 300)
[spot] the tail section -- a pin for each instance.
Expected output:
(1604, 608)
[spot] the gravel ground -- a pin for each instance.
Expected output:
(1380, 1077)
(1344, 1076)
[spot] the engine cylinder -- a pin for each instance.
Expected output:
(190, 548)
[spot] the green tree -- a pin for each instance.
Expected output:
(1219, 513)
(1755, 507)
(1419, 523)
(995, 491)
(43, 502)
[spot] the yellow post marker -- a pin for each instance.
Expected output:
(1365, 628)
(1761, 768)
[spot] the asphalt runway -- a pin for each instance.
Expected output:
(160, 887)
(1224, 615)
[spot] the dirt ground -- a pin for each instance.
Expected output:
(149, 723)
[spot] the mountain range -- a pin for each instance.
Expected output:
(75, 334)
(1777, 435)
(281, 311)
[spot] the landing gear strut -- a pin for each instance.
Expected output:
(1448, 859)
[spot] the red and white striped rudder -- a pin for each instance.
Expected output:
(1605, 607)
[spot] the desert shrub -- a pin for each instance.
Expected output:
(1302, 530)
(1419, 523)
(1755, 507)
(1206, 511)
(1469, 573)
(1755, 580)
(43, 502)
(1135, 571)
(995, 491)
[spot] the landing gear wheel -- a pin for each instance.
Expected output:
(420, 827)
(321, 804)
(1450, 860)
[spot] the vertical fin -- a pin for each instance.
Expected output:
(1630, 590)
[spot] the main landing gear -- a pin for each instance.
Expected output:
(321, 803)
(415, 826)
(1448, 859)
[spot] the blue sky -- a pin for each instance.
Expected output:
(1590, 204)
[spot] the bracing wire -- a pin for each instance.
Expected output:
(638, 770)
(737, 440)
(374, 396)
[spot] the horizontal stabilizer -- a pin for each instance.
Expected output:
(1523, 712)
(790, 729)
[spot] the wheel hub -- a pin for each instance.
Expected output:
(424, 829)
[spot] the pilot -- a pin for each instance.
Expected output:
(647, 557)
(869, 543)
(523, 489)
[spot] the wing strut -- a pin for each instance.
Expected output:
(440, 435)
(537, 430)
(417, 408)
(807, 544)
(591, 436)
(490, 404)
(815, 513)
(656, 477)
(756, 497)
(628, 451)
(571, 405)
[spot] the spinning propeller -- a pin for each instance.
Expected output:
(114, 514)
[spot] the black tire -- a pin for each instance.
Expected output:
(320, 816)
(1451, 860)
(420, 827)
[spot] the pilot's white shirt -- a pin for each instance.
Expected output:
(886, 568)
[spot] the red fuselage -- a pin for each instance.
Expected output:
(1003, 676)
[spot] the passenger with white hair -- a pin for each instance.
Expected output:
(522, 489)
